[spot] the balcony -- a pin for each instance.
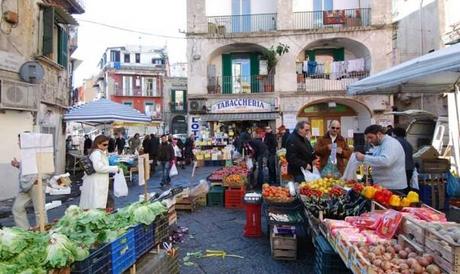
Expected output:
(322, 82)
(137, 92)
(240, 84)
(333, 19)
(221, 25)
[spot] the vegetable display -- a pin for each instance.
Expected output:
(218, 175)
(276, 193)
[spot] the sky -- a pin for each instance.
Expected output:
(164, 17)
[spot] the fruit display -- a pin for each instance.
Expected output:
(218, 175)
(276, 194)
(324, 184)
(392, 257)
(386, 197)
(234, 180)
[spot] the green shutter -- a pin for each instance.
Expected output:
(173, 100)
(185, 101)
(339, 54)
(63, 48)
(227, 83)
(311, 55)
(48, 25)
(254, 63)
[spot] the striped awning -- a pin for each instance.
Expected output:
(225, 117)
(105, 111)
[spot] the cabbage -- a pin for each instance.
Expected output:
(13, 241)
(62, 252)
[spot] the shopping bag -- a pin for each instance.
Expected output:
(173, 171)
(120, 188)
(249, 163)
(414, 180)
(453, 186)
(310, 176)
(350, 170)
(330, 170)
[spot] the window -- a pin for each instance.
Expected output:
(55, 37)
(114, 56)
(157, 61)
(127, 86)
(178, 100)
(150, 109)
(150, 87)
(127, 58)
(138, 58)
(128, 103)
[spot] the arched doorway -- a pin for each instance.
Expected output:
(179, 125)
(353, 115)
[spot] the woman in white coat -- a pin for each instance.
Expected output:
(96, 186)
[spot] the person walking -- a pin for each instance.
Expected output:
(400, 135)
(112, 145)
(188, 150)
(120, 143)
(165, 157)
(386, 161)
(146, 145)
(299, 152)
(153, 151)
(134, 143)
(258, 152)
(325, 144)
(178, 146)
(87, 145)
(272, 145)
(95, 187)
(28, 191)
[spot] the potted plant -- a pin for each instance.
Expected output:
(271, 56)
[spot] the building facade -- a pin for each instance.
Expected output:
(237, 78)
(43, 32)
(134, 75)
(175, 105)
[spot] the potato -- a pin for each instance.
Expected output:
(423, 261)
(402, 254)
(433, 269)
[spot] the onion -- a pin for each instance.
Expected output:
(371, 256)
(387, 256)
(377, 262)
(408, 249)
(397, 247)
(423, 261)
(417, 268)
(429, 258)
(386, 265)
(405, 271)
(403, 266)
(412, 255)
(411, 261)
(433, 269)
(402, 254)
(391, 250)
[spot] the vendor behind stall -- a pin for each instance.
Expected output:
(324, 147)
(387, 160)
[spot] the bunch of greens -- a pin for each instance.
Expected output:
(137, 213)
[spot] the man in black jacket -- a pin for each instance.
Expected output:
(153, 151)
(299, 151)
(400, 135)
(165, 157)
(87, 145)
(272, 144)
(259, 152)
(146, 145)
(120, 142)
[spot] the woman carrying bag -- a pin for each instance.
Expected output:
(96, 186)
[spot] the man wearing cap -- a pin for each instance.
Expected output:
(272, 144)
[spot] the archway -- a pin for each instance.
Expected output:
(238, 68)
(353, 115)
(179, 125)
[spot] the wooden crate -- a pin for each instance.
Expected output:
(343, 248)
(413, 229)
(283, 248)
(201, 200)
(186, 204)
(447, 253)
(360, 265)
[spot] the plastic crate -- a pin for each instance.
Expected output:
(234, 198)
(433, 190)
(123, 252)
(98, 262)
(216, 196)
(161, 229)
(144, 238)
(326, 259)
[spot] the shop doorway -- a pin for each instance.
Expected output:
(179, 125)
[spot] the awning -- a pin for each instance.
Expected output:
(435, 72)
(225, 117)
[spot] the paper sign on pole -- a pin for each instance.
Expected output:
(315, 131)
(32, 146)
(350, 133)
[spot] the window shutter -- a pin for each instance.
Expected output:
(254, 60)
(173, 100)
(227, 73)
(311, 55)
(63, 47)
(339, 54)
(48, 24)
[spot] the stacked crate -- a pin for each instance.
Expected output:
(327, 261)
(216, 196)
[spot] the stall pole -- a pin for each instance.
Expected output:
(41, 213)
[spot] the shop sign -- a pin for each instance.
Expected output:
(240, 105)
(195, 125)
(290, 120)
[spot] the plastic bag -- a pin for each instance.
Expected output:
(173, 171)
(453, 186)
(389, 224)
(310, 176)
(331, 170)
(350, 170)
(249, 163)
(414, 180)
(120, 188)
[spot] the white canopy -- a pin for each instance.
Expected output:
(434, 72)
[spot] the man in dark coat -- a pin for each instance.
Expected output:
(259, 152)
(112, 144)
(146, 145)
(400, 135)
(188, 151)
(87, 145)
(244, 138)
(120, 143)
(165, 157)
(153, 151)
(299, 151)
(272, 145)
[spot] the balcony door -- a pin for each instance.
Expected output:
(241, 71)
(241, 15)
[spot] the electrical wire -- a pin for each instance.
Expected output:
(131, 30)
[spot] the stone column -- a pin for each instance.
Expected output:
(284, 15)
(196, 16)
(380, 12)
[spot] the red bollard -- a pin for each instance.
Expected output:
(253, 220)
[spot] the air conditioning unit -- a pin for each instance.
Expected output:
(18, 95)
(197, 106)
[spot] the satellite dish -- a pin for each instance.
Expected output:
(32, 72)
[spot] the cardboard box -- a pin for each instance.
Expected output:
(426, 153)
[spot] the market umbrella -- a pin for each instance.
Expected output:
(104, 111)
(433, 73)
